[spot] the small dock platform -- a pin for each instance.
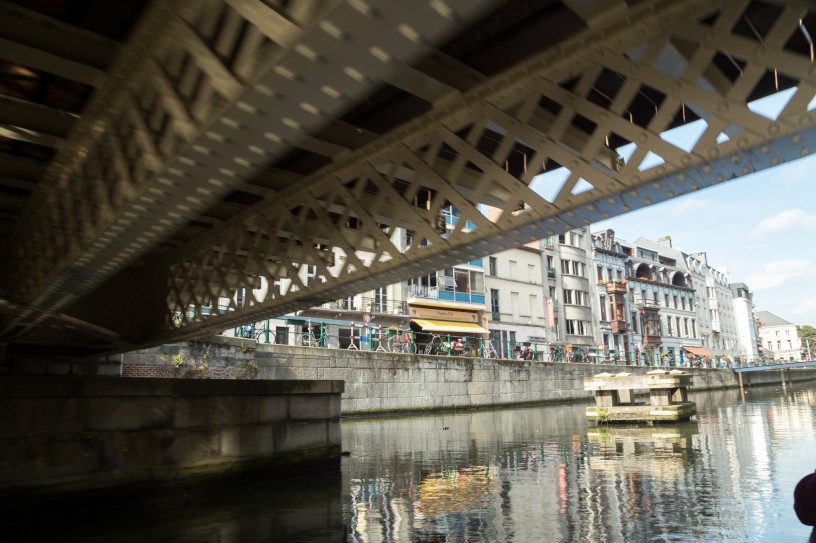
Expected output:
(615, 397)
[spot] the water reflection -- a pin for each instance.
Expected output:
(535, 474)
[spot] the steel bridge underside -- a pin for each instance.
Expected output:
(159, 155)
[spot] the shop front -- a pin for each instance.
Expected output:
(448, 329)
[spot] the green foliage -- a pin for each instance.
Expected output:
(806, 332)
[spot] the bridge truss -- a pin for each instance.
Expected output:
(232, 141)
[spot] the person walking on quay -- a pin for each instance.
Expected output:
(804, 503)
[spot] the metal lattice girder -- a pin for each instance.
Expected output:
(203, 95)
(562, 109)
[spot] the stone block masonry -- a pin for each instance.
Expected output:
(381, 383)
(80, 436)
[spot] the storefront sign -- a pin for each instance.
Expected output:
(443, 314)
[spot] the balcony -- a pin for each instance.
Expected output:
(652, 341)
(448, 295)
(613, 287)
(618, 326)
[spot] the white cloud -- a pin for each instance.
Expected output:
(692, 204)
(805, 306)
(783, 273)
(789, 219)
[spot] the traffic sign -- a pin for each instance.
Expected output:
(367, 317)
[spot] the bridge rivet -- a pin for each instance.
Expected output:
(714, 153)
(773, 128)
(722, 107)
(685, 160)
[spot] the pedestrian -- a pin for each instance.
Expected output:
(804, 502)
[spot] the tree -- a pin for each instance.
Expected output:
(806, 332)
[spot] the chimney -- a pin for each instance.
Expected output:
(665, 240)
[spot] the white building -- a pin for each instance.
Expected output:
(517, 300)
(779, 338)
(747, 335)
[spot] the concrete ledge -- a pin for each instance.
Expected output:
(97, 436)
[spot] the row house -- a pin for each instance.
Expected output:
(779, 338)
(718, 326)
(641, 302)
(661, 289)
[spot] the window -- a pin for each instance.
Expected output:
(567, 296)
(492, 266)
(634, 323)
(685, 327)
(579, 269)
(683, 303)
(512, 273)
(601, 273)
(552, 293)
(779, 345)
(462, 278)
(447, 282)
(581, 298)
(675, 302)
(380, 300)
(534, 306)
(691, 304)
(494, 301)
(668, 325)
(666, 299)
(476, 281)
(565, 266)
(531, 274)
(602, 304)
(693, 328)
(576, 327)
(677, 323)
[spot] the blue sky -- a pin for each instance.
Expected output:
(761, 227)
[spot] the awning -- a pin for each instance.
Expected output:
(447, 326)
(699, 351)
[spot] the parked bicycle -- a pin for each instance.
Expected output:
(435, 345)
(488, 351)
(526, 353)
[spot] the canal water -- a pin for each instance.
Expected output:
(530, 475)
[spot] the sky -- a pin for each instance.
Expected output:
(760, 227)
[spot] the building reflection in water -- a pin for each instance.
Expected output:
(546, 474)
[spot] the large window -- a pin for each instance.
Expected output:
(492, 266)
(494, 301)
(577, 327)
(576, 297)
(381, 300)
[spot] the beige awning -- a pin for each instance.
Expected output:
(448, 326)
(699, 351)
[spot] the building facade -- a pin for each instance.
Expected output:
(747, 334)
(779, 338)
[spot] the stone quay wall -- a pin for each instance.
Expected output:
(380, 382)
(69, 435)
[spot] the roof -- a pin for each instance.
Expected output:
(766, 318)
